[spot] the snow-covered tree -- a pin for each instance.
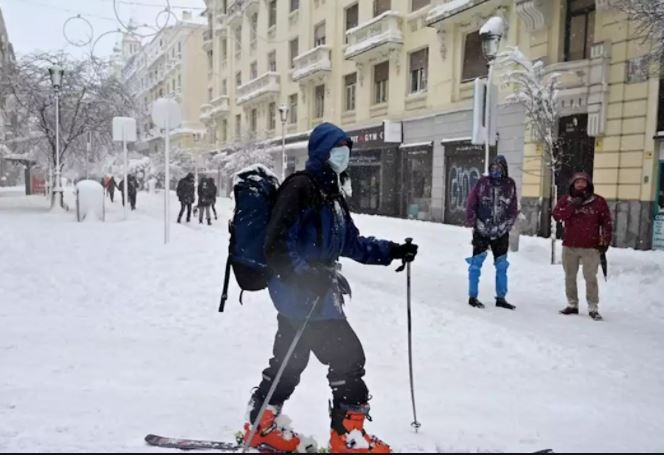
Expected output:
(536, 90)
(243, 154)
(648, 17)
(89, 99)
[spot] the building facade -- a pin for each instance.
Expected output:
(7, 111)
(609, 112)
(168, 66)
(398, 76)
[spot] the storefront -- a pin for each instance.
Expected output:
(658, 221)
(375, 173)
(456, 164)
(464, 166)
(417, 180)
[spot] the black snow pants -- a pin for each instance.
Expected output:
(335, 344)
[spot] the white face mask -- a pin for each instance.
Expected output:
(339, 159)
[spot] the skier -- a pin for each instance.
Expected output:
(492, 211)
(186, 192)
(588, 232)
(204, 201)
(309, 229)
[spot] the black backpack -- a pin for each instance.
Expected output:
(256, 189)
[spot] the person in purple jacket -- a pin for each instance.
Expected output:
(492, 211)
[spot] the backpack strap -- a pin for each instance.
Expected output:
(227, 280)
(320, 200)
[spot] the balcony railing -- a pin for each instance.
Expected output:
(313, 63)
(383, 33)
(265, 86)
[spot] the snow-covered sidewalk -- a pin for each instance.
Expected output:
(107, 335)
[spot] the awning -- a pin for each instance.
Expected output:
(416, 146)
(302, 145)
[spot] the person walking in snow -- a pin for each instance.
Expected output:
(492, 211)
(204, 201)
(132, 190)
(309, 230)
(186, 192)
(213, 197)
(587, 235)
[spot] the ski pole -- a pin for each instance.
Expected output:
(416, 424)
(406, 266)
(275, 382)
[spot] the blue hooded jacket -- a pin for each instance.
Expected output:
(311, 228)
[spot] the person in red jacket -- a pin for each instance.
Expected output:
(588, 230)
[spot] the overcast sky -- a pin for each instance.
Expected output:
(38, 24)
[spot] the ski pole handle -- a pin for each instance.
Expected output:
(407, 259)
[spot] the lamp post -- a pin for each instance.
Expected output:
(491, 34)
(166, 114)
(124, 130)
(283, 112)
(57, 73)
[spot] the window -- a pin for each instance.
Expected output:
(419, 64)
(352, 16)
(238, 42)
(253, 29)
(350, 82)
(272, 20)
(224, 48)
(210, 94)
(381, 81)
(210, 61)
(238, 126)
(474, 63)
(580, 29)
(238, 79)
(319, 34)
(419, 4)
(292, 104)
(179, 47)
(272, 61)
(660, 114)
(253, 71)
(272, 117)
(319, 96)
(224, 87)
(294, 51)
(253, 120)
(179, 80)
(224, 130)
(294, 5)
(380, 6)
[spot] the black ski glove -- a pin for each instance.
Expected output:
(405, 251)
(603, 249)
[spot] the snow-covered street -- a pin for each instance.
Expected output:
(107, 335)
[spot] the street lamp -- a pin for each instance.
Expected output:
(491, 34)
(283, 112)
(57, 73)
(166, 114)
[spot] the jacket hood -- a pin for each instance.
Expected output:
(582, 176)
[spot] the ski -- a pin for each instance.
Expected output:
(191, 444)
